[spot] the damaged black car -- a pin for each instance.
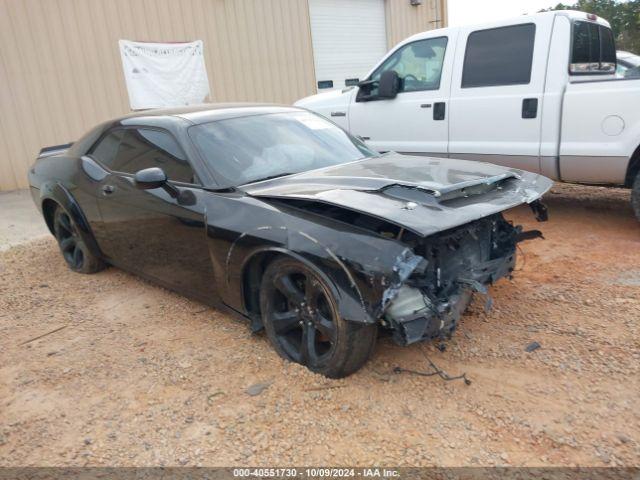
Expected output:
(277, 215)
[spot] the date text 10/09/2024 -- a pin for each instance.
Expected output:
(315, 473)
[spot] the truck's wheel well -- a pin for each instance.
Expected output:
(251, 279)
(633, 169)
(48, 207)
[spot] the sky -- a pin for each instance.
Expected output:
(468, 12)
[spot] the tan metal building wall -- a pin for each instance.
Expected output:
(60, 68)
(404, 19)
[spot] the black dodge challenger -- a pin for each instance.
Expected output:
(278, 215)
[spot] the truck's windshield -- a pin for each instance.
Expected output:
(593, 50)
(247, 149)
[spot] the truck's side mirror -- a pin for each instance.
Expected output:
(386, 87)
(389, 85)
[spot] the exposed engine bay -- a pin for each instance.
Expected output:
(456, 264)
(438, 234)
(448, 268)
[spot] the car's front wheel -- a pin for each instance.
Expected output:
(635, 196)
(74, 250)
(301, 318)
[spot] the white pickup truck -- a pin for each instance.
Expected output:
(537, 92)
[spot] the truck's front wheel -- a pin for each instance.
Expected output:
(635, 196)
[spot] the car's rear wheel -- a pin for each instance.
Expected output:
(74, 250)
(635, 196)
(301, 318)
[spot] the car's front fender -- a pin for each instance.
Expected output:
(364, 271)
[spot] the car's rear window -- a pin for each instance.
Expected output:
(133, 149)
(106, 149)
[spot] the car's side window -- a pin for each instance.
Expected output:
(145, 148)
(418, 64)
(106, 149)
(499, 56)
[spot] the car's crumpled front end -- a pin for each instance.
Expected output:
(440, 230)
(454, 264)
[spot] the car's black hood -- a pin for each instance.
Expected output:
(423, 194)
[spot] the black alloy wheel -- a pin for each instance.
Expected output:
(72, 246)
(301, 318)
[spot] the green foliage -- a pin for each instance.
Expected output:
(624, 17)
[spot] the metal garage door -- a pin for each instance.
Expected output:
(349, 38)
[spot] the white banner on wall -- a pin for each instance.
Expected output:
(164, 74)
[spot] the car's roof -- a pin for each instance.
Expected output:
(624, 54)
(208, 112)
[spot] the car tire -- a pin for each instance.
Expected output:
(74, 250)
(301, 318)
(635, 196)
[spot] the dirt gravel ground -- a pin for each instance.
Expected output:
(137, 375)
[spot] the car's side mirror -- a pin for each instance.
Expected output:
(150, 178)
(389, 84)
(154, 177)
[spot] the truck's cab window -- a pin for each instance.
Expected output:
(418, 64)
(593, 49)
(499, 56)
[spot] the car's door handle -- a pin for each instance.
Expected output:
(439, 110)
(425, 105)
(108, 189)
(338, 114)
(530, 108)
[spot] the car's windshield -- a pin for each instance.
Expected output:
(252, 148)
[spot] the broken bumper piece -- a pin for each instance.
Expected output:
(431, 302)
(429, 321)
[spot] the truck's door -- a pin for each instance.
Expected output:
(416, 121)
(497, 93)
